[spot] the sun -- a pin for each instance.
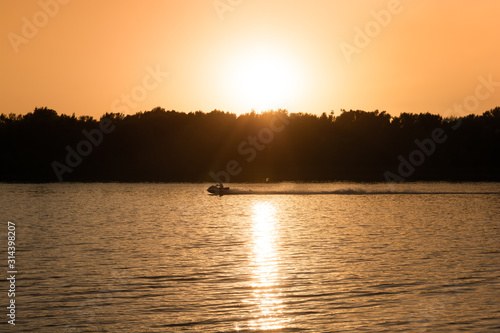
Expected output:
(265, 78)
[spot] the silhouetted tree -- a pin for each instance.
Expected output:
(162, 145)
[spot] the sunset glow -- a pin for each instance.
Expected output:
(265, 79)
(266, 286)
(250, 165)
(400, 56)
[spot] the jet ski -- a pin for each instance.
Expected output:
(218, 189)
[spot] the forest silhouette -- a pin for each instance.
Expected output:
(170, 146)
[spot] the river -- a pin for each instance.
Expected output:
(288, 257)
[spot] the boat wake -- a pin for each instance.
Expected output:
(347, 192)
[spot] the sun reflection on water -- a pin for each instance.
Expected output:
(266, 285)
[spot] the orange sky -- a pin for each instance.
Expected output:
(89, 57)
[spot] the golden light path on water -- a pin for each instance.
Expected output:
(266, 275)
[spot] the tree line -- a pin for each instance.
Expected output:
(170, 146)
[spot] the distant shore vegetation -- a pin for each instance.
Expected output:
(171, 146)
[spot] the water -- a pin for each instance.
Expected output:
(421, 257)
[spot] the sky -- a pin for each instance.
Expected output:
(90, 57)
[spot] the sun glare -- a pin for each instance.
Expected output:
(266, 294)
(265, 79)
